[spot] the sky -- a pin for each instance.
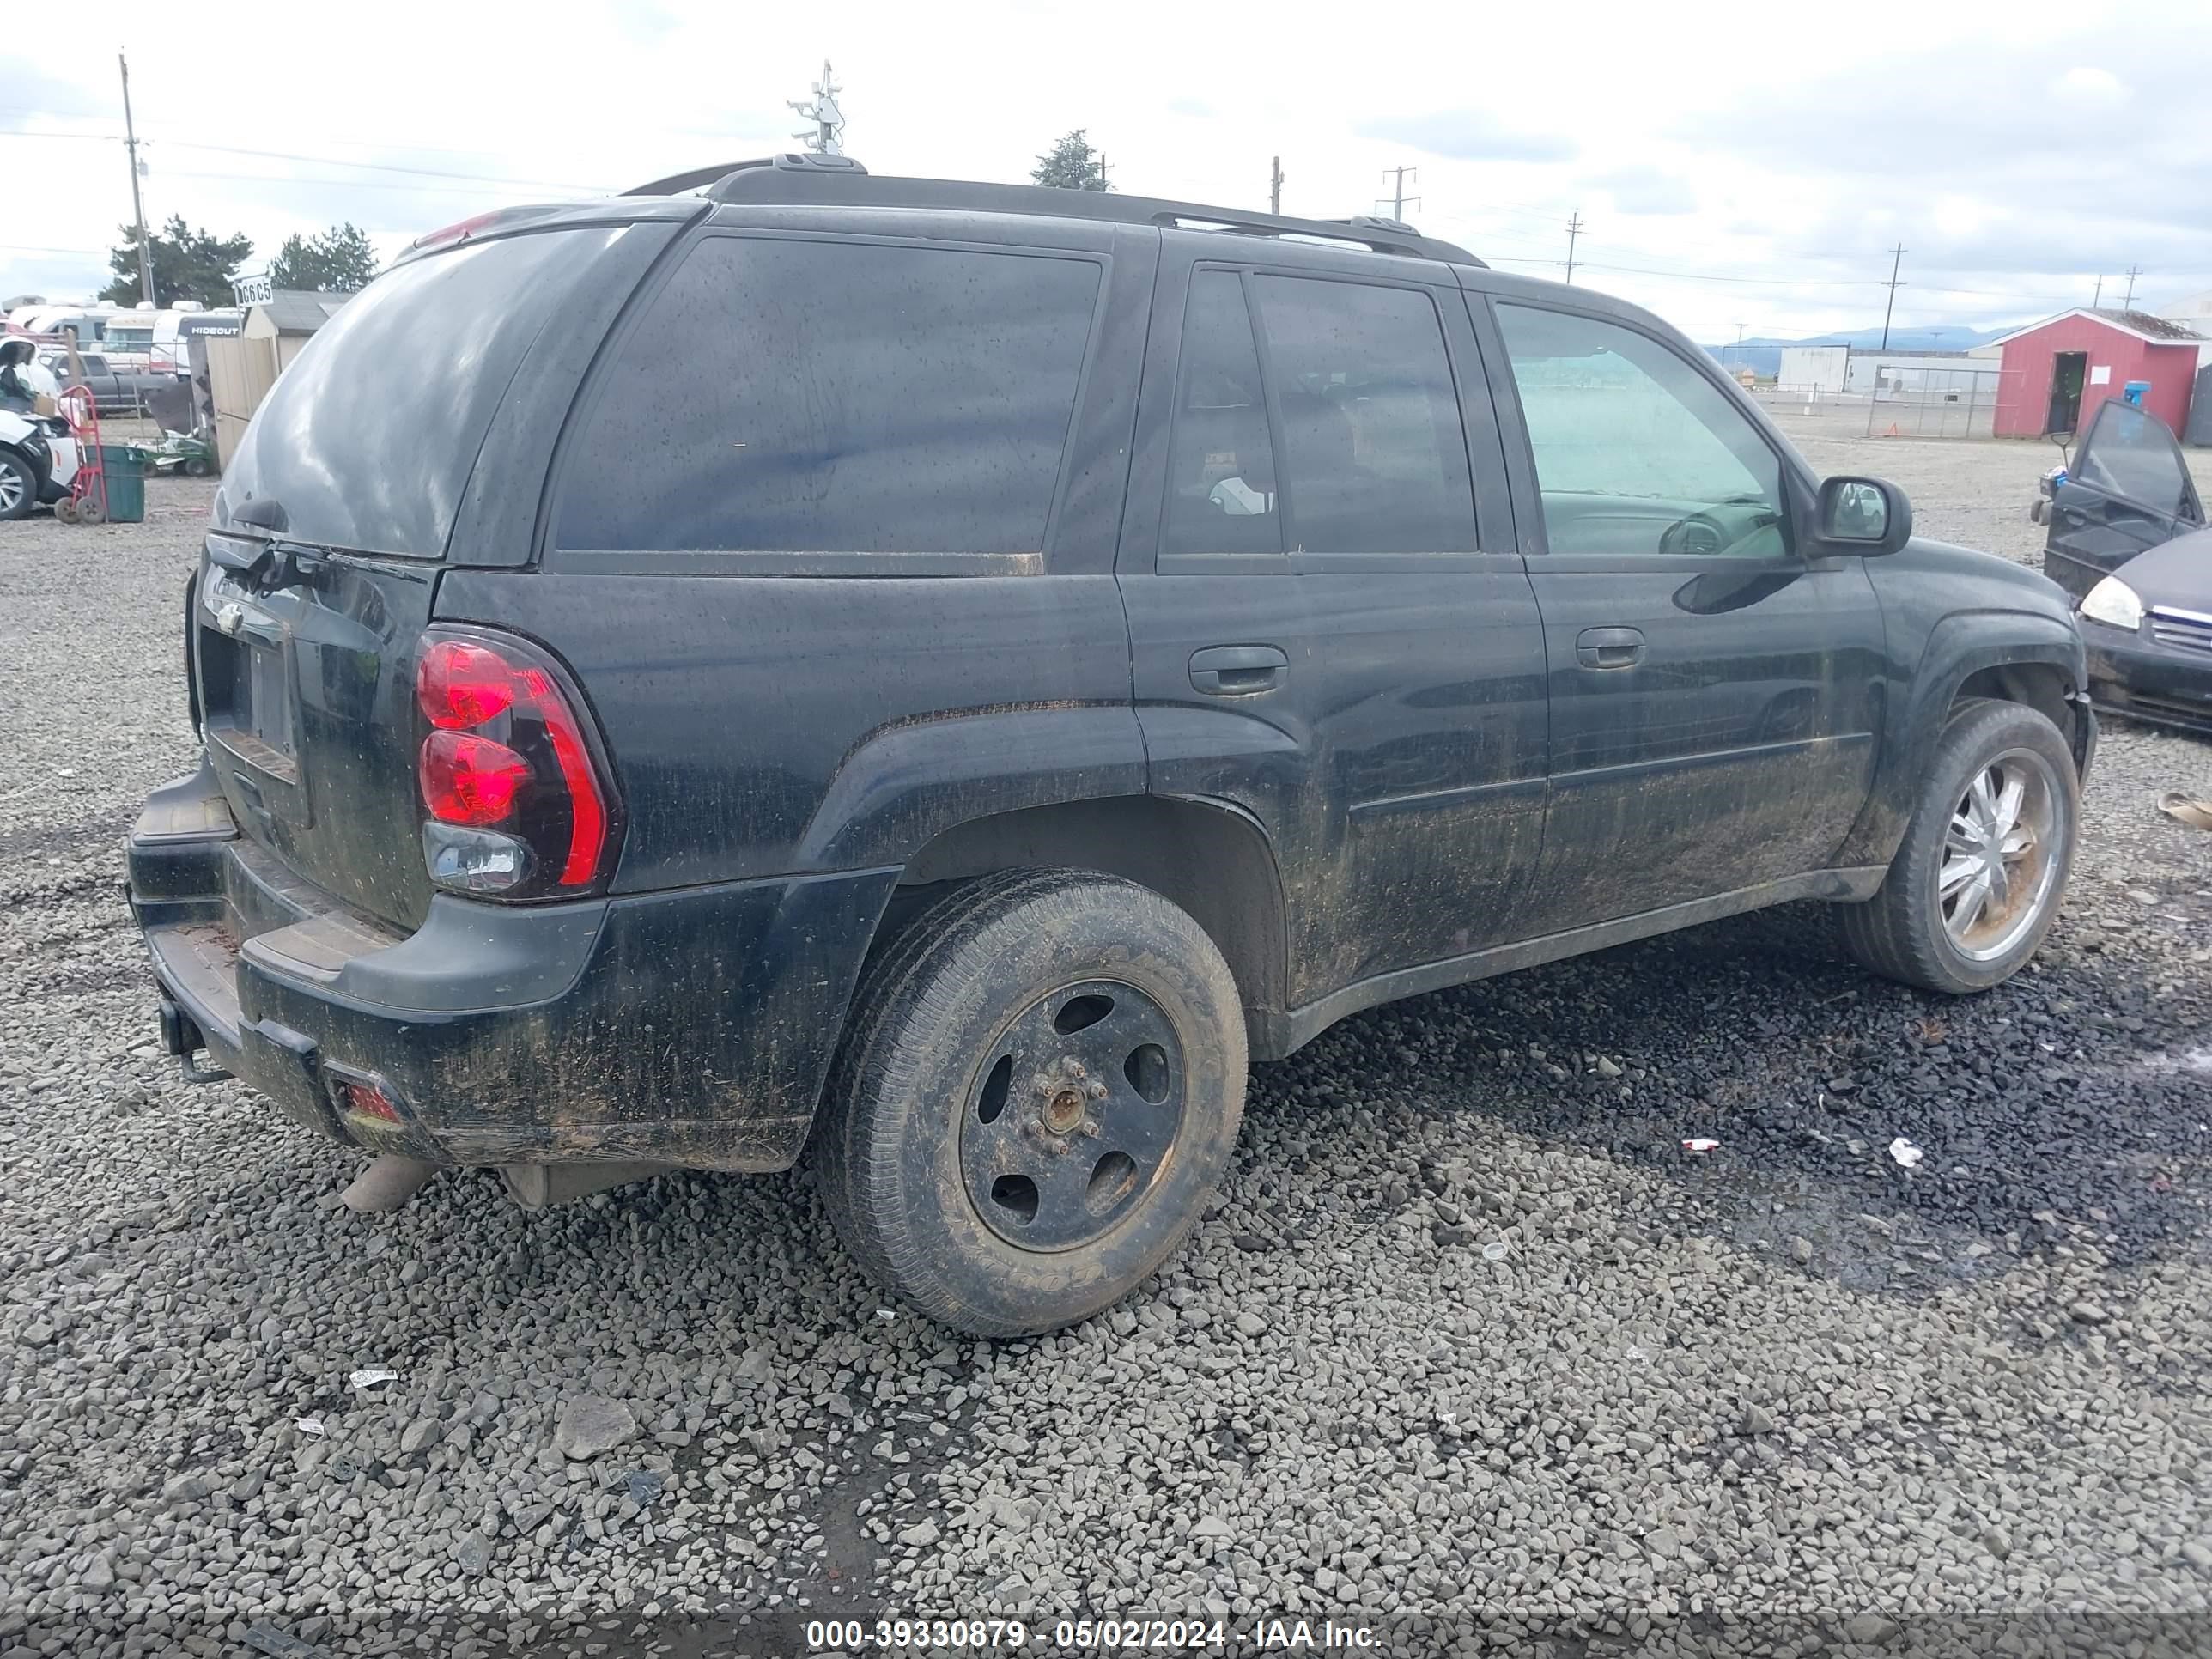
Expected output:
(1732, 164)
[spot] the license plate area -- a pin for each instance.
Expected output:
(246, 686)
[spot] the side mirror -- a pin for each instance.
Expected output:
(1865, 516)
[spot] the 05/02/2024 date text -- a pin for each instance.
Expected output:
(1086, 1634)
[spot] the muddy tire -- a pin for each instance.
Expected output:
(1039, 1087)
(1976, 881)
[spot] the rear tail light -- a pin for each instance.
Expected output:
(513, 783)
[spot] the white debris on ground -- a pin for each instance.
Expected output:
(1784, 1375)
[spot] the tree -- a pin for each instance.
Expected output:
(1070, 164)
(188, 265)
(339, 261)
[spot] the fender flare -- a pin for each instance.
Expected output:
(1959, 646)
(907, 782)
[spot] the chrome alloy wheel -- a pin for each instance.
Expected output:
(2000, 857)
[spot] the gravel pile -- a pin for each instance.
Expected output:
(1472, 1348)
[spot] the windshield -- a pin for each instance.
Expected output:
(369, 435)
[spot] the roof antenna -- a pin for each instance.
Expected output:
(827, 136)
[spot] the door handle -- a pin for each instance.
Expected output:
(1609, 648)
(1237, 671)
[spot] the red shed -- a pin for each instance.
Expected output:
(2057, 371)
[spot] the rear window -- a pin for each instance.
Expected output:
(836, 396)
(369, 435)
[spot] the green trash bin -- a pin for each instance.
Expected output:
(126, 466)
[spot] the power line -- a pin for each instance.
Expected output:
(346, 184)
(325, 161)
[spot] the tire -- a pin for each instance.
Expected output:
(65, 510)
(19, 486)
(196, 468)
(1910, 930)
(987, 1050)
(90, 511)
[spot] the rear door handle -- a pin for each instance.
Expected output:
(1237, 671)
(1609, 648)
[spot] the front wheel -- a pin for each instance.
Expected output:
(1976, 883)
(1040, 1087)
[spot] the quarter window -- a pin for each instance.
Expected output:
(1636, 451)
(834, 396)
(1221, 492)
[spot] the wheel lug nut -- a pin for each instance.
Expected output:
(1096, 1090)
(1071, 1065)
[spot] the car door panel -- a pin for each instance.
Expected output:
(1395, 755)
(2128, 491)
(1736, 750)
(1713, 697)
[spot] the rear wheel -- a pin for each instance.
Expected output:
(90, 511)
(1040, 1086)
(1976, 883)
(19, 485)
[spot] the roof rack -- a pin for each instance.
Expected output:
(804, 179)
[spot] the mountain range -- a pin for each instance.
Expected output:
(1763, 355)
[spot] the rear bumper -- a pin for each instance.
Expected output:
(690, 1028)
(2147, 681)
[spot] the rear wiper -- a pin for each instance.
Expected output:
(263, 562)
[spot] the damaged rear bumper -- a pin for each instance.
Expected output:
(690, 1028)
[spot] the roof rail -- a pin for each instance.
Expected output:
(790, 161)
(804, 179)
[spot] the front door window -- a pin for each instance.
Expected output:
(1636, 450)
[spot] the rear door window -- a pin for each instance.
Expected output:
(1373, 452)
(821, 395)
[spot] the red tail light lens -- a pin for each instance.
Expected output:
(460, 684)
(470, 780)
(507, 747)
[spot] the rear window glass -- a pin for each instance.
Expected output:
(369, 435)
(836, 396)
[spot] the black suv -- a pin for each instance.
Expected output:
(935, 676)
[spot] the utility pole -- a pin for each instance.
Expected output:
(1574, 229)
(826, 136)
(1275, 186)
(138, 202)
(1896, 257)
(1103, 185)
(2128, 303)
(1740, 328)
(1398, 196)
(2098, 294)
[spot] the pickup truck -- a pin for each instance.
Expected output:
(116, 390)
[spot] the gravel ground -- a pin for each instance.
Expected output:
(1471, 1351)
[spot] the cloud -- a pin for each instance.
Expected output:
(1196, 108)
(1469, 135)
(1647, 190)
(2090, 88)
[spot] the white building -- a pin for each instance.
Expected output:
(2194, 312)
(1811, 368)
